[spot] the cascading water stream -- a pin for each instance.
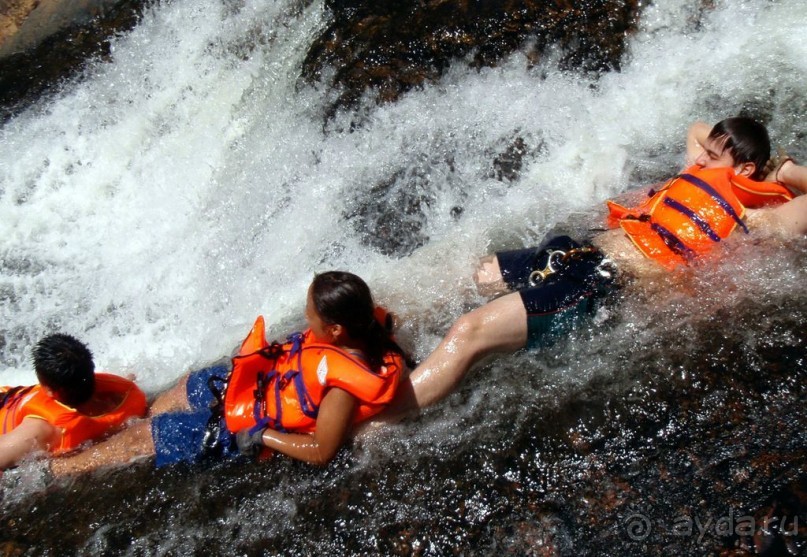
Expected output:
(193, 181)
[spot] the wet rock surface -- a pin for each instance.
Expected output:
(26, 76)
(25, 23)
(686, 446)
(385, 48)
(694, 449)
(377, 48)
(393, 216)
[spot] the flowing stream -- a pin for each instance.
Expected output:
(192, 181)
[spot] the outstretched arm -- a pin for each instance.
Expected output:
(788, 219)
(790, 174)
(697, 134)
(31, 435)
(333, 423)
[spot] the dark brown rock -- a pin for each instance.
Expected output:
(35, 71)
(388, 47)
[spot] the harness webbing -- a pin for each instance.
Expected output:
(279, 382)
(719, 199)
(211, 441)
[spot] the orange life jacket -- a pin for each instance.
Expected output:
(282, 385)
(19, 403)
(692, 212)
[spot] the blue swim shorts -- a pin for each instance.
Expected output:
(559, 302)
(197, 434)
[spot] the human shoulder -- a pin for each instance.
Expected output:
(37, 427)
(31, 435)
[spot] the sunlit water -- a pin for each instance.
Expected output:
(193, 182)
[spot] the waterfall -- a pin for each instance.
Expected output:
(156, 205)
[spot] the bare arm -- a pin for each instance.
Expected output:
(31, 435)
(788, 219)
(697, 134)
(791, 175)
(333, 423)
(792, 216)
(123, 447)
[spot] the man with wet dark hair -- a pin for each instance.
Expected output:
(744, 140)
(547, 289)
(70, 406)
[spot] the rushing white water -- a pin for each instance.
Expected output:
(190, 183)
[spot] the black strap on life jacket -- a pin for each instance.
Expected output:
(673, 242)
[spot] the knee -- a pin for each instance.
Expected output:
(468, 329)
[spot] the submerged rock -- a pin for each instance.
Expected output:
(383, 49)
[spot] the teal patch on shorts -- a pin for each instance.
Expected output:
(544, 329)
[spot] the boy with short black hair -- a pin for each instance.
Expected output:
(70, 406)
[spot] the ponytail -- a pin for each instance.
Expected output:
(379, 341)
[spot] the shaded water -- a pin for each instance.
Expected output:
(189, 183)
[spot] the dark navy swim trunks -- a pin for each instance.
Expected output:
(557, 301)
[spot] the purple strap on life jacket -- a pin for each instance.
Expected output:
(697, 182)
(693, 216)
(307, 405)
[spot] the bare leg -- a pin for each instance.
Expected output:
(174, 399)
(488, 277)
(499, 326)
(133, 442)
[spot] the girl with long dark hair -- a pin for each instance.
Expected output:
(299, 397)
